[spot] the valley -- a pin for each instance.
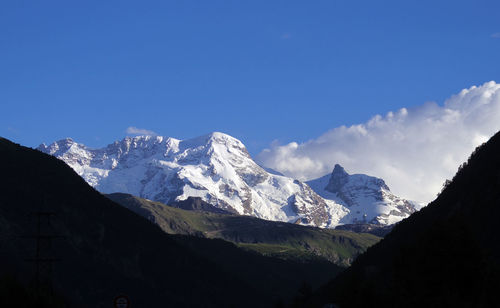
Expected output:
(277, 239)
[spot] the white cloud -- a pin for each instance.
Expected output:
(496, 35)
(140, 131)
(414, 150)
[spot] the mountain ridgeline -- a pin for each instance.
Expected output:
(104, 249)
(218, 169)
(445, 255)
(368, 199)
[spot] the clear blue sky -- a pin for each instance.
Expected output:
(258, 70)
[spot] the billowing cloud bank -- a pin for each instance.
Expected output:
(415, 150)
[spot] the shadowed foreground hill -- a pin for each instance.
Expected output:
(108, 250)
(272, 238)
(446, 255)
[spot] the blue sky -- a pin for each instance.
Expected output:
(258, 70)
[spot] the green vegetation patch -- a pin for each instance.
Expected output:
(271, 238)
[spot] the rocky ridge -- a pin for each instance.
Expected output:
(218, 169)
(368, 199)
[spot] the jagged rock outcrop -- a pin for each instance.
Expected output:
(368, 199)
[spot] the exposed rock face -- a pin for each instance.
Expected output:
(338, 179)
(215, 168)
(316, 215)
(218, 169)
(368, 199)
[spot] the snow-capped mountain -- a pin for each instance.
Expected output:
(216, 167)
(368, 199)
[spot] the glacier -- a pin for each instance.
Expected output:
(218, 169)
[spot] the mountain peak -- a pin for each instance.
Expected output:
(339, 170)
(338, 179)
(214, 167)
(143, 138)
(217, 168)
(217, 142)
(56, 147)
(220, 135)
(65, 142)
(216, 137)
(363, 194)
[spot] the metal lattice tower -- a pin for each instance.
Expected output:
(43, 258)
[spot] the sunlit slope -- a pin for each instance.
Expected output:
(284, 240)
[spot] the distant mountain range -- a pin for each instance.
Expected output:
(218, 169)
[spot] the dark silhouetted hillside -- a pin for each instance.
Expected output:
(108, 250)
(446, 255)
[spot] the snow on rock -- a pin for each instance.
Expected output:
(218, 169)
(366, 198)
(215, 167)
